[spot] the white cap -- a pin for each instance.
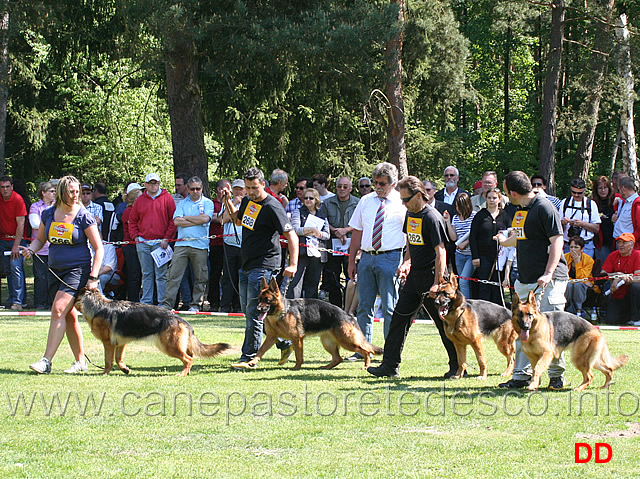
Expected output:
(133, 186)
(237, 183)
(151, 177)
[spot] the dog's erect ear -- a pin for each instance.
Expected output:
(273, 285)
(531, 299)
(515, 301)
(453, 279)
(265, 285)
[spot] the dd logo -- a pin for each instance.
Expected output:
(598, 446)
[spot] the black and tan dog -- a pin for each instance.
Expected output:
(117, 323)
(469, 321)
(544, 336)
(294, 319)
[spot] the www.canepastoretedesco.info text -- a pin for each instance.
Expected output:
(305, 402)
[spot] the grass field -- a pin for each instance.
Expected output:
(274, 422)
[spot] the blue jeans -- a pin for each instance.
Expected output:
(377, 276)
(152, 276)
(15, 273)
(250, 283)
(464, 266)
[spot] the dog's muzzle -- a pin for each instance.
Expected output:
(524, 330)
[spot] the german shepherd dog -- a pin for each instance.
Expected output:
(117, 323)
(469, 321)
(294, 319)
(544, 336)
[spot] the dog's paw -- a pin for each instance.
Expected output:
(482, 378)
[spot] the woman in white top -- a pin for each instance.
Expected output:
(307, 278)
(459, 228)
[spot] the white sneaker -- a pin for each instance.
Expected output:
(193, 309)
(77, 367)
(634, 323)
(42, 367)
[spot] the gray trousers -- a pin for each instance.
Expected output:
(181, 257)
(552, 300)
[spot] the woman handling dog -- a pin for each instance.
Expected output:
(67, 226)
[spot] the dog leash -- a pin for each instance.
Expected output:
(53, 272)
(91, 362)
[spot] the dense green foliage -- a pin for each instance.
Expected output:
(296, 85)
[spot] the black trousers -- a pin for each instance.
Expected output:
(621, 311)
(333, 270)
(412, 296)
(488, 292)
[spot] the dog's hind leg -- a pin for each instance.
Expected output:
(332, 347)
(507, 345)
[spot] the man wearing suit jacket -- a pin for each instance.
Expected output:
(449, 193)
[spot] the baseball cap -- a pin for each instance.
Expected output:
(477, 184)
(237, 183)
(86, 187)
(133, 186)
(626, 237)
(151, 177)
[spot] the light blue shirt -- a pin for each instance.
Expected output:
(188, 208)
(624, 223)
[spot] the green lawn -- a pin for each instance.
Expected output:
(274, 422)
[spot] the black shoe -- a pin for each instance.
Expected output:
(384, 371)
(556, 383)
(515, 384)
(452, 372)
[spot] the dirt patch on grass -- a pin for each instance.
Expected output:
(633, 431)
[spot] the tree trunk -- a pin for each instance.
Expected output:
(591, 106)
(550, 100)
(393, 91)
(4, 82)
(507, 103)
(187, 132)
(627, 131)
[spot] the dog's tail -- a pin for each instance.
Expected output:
(609, 361)
(201, 350)
(370, 348)
(619, 361)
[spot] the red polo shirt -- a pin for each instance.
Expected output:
(11, 209)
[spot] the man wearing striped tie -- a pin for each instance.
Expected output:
(377, 221)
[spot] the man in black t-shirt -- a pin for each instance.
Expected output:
(423, 267)
(537, 235)
(263, 220)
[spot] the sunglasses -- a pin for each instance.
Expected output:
(364, 186)
(381, 183)
(86, 192)
(577, 193)
(406, 200)
(309, 198)
(451, 175)
(300, 187)
(195, 188)
(343, 187)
